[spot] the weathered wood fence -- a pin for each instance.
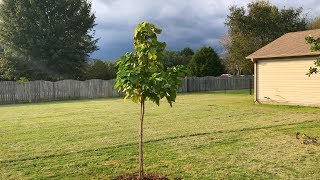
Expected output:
(210, 83)
(38, 91)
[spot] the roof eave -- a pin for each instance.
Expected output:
(280, 56)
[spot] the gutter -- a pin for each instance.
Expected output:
(253, 58)
(255, 80)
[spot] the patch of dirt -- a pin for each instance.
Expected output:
(305, 139)
(146, 177)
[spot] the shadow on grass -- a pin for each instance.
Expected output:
(150, 141)
(73, 100)
(61, 101)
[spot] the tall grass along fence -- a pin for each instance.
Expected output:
(38, 91)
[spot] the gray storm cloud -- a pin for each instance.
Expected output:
(185, 23)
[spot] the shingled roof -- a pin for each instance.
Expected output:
(289, 45)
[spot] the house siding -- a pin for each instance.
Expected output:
(285, 81)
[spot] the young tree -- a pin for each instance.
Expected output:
(257, 25)
(47, 39)
(315, 46)
(141, 75)
(205, 62)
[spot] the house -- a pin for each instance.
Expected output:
(280, 71)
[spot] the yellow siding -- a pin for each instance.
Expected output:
(284, 81)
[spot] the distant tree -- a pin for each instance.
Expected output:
(6, 72)
(99, 69)
(254, 27)
(111, 69)
(170, 58)
(314, 46)
(187, 52)
(173, 58)
(206, 62)
(49, 39)
(141, 75)
(231, 65)
(96, 70)
(314, 24)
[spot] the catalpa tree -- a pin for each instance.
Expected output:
(142, 76)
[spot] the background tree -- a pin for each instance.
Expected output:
(206, 62)
(48, 39)
(111, 70)
(254, 27)
(314, 23)
(314, 46)
(231, 65)
(96, 70)
(141, 75)
(174, 58)
(99, 69)
(171, 58)
(187, 52)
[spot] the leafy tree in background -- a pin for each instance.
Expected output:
(230, 66)
(48, 39)
(315, 46)
(187, 52)
(96, 70)
(171, 58)
(99, 69)
(314, 24)
(206, 62)
(111, 70)
(254, 27)
(174, 58)
(141, 75)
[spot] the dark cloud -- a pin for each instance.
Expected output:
(192, 23)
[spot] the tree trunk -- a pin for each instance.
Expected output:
(141, 173)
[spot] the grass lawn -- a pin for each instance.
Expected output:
(204, 136)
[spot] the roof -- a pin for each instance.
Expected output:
(289, 45)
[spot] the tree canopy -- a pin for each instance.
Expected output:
(255, 26)
(206, 62)
(173, 58)
(187, 52)
(46, 39)
(99, 69)
(314, 23)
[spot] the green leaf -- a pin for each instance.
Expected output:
(125, 98)
(135, 98)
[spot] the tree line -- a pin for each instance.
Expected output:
(52, 40)
(203, 62)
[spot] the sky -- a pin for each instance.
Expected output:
(184, 23)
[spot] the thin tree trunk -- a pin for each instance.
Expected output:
(141, 173)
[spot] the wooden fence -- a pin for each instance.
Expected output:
(38, 91)
(210, 83)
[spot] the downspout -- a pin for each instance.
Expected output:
(255, 80)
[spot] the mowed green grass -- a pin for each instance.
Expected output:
(209, 135)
